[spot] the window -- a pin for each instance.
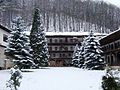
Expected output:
(71, 40)
(116, 46)
(71, 48)
(54, 55)
(5, 38)
(60, 48)
(66, 40)
(50, 48)
(112, 46)
(104, 48)
(50, 40)
(63, 55)
(55, 40)
(60, 55)
(60, 40)
(69, 55)
(56, 48)
(66, 48)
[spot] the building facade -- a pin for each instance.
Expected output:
(4, 33)
(111, 47)
(61, 46)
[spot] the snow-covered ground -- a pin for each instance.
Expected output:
(56, 78)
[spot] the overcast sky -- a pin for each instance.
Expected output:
(115, 2)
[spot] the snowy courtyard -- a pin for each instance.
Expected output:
(56, 78)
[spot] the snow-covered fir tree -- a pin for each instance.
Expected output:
(81, 58)
(111, 81)
(18, 47)
(38, 41)
(78, 59)
(76, 56)
(92, 54)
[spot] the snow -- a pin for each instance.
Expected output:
(67, 33)
(70, 33)
(115, 2)
(57, 78)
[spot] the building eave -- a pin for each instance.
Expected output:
(2, 46)
(5, 28)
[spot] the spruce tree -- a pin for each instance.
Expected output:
(18, 45)
(111, 81)
(81, 58)
(92, 54)
(76, 55)
(38, 41)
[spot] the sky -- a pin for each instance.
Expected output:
(115, 2)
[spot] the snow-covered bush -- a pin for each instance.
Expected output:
(111, 81)
(15, 78)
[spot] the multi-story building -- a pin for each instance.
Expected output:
(4, 33)
(61, 46)
(111, 47)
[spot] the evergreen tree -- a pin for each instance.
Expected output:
(78, 59)
(111, 81)
(76, 55)
(38, 41)
(81, 58)
(92, 54)
(18, 47)
(15, 79)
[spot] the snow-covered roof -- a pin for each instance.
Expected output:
(68, 33)
(110, 37)
(110, 34)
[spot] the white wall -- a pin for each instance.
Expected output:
(2, 56)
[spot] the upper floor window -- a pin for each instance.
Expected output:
(69, 54)
(63, 55)
(56, 48)
(66, 48)
(61, 41)
(71, 40)
(56, 41)
(50, 40)
(54, 55)
(60, 48)
(66, 40)
(112, 46)
(60, 55)
(5, 38)
(50, 48)
(116, 45)
(71, 48)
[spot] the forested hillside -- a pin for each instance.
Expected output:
(69, 15)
